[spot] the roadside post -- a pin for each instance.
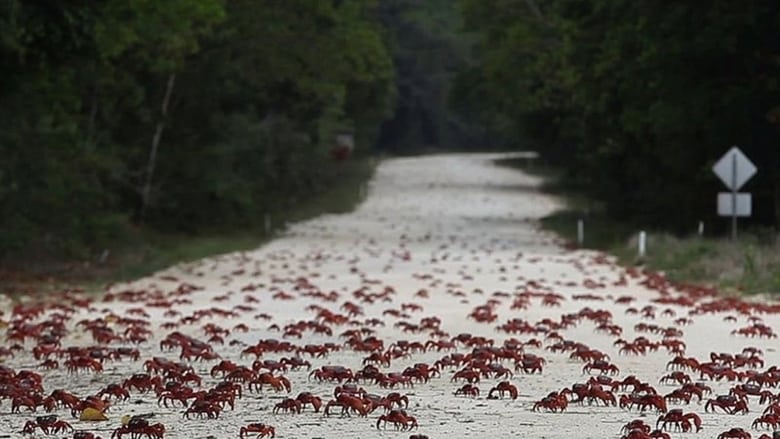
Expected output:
(734, 169)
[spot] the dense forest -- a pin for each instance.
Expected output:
(189, 115)
(635, 99)
(186, 115)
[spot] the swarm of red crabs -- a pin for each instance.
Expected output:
(200, 363)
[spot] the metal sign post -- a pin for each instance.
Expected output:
(733, 197)
(734, 169)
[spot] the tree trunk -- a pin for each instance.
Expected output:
(92, 121)
(151, 164)
(776, 200)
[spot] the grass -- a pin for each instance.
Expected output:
(152, 251)
(749, 265)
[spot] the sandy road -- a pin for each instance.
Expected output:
(455, 226)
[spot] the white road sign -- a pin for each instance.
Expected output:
(734, 168)
(726, 207)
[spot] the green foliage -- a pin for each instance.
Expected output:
(261, 89)
(165, 32)
(750, 266)
(635, 99)
(429, 48)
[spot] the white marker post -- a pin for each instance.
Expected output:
(580, 232)
(642, 243)
(701, 228)
(267, 223)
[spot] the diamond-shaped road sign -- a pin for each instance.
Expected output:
(734, 168)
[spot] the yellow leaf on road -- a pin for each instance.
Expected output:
(90, 414)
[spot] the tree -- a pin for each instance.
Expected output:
(634, 100)
(429, 49)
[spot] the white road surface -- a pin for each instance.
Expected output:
(453, 226)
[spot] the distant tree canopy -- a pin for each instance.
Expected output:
(192, 114)
(635, 99)
(429, 48)
(181, 114)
